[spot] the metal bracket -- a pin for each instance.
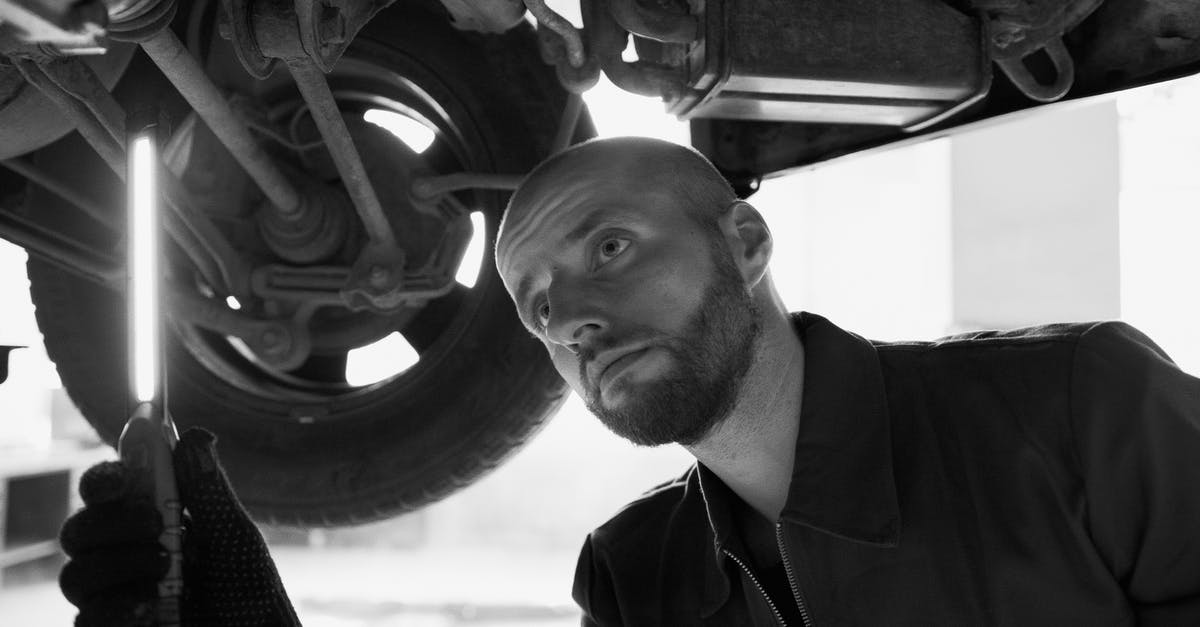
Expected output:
(265, 32)
(281, 344)
(384, 286)
(1064, 68)
(1019, 29)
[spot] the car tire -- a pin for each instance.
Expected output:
(381, 450)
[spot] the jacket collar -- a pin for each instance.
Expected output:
(842, 478)
(842, 482)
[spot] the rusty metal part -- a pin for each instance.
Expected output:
(165, 49)
(280, 344)
(99, 132)
(365, 288)
(313, 233)
(328, 26)
(378, 278)
(344, 287)
(663, 21)
(378, 275)
(328, 118)
(231, 269)
(431, 187)
(265, 31)
(485, 16)
(903, 63)
(608, 40)
(1064, 68)
(237, 26)
(1123, 44)
(68, 254)
(101, 120)
(206, 246)
(552, 20)
(72, 28)
(52, 183)
(553, 50)
(319, 285)
(1019, 28)
(28, 120)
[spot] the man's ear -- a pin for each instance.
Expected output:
(749, 240)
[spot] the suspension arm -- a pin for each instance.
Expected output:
(185, 73)
(62, 189)
(100, 119)
(315, 90)
(64, 252)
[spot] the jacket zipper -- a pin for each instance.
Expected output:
(787, 567)
(761, 589)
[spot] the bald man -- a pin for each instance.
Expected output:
(1043, 476)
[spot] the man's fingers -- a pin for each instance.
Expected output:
(104, 482)
(203, 487)
(128, 570)
(134, 521)
(196, 456)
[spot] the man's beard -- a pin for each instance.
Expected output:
(711, 357)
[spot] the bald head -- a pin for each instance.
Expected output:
(635, 265)
(615, 171)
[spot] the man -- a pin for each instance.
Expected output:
(1044, 476)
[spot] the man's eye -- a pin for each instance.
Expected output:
(610, 248)
(543, 315)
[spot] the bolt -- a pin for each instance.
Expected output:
(1006, 34)
(379, 276)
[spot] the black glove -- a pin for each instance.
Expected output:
(116, 560)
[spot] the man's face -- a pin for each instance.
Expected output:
(641, 308)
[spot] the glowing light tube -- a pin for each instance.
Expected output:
(143, 268)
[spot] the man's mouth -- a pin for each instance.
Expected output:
(617, 366)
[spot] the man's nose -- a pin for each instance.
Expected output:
(575, 316)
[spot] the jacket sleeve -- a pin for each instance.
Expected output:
(593, 589)
(1136, 420)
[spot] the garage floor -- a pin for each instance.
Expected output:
(350, 587)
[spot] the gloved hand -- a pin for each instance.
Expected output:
(116, 560)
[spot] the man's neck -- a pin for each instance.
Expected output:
(754, 449)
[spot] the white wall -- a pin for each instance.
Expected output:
(866, 242)
(1160, 216)
(1035, 219)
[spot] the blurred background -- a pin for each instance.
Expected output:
(1081, 211)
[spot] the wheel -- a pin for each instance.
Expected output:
(305, 446)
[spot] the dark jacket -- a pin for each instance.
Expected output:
(1044, 476)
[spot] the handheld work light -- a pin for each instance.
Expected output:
(149, 436)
